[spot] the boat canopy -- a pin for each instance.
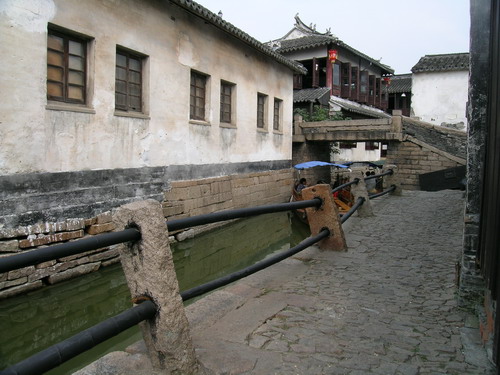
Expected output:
(311, 164)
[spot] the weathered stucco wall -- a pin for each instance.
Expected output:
(40, 138)
(181, 199)
(440, 98)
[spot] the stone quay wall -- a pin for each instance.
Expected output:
(413, 159)
(183, 198)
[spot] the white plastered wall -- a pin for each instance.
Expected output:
(440, 98)
(35, 138)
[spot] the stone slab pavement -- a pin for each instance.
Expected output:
(386, 306)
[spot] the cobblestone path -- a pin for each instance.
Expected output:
(388, 305)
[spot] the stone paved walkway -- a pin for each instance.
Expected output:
(387, 306)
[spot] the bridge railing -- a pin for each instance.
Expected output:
(148, 266)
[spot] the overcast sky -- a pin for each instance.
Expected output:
(398, 31)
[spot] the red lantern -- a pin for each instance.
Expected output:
(332, 55)
(387, 80)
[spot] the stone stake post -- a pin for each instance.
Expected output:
(392, 179)
(149, 269)
(326, 216)
(359, 191)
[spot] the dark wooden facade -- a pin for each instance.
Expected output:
(489, 242)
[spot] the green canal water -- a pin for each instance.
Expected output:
(39, 319)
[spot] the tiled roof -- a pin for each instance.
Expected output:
(358, 108)
(312, 41)
(212, 18)
(442, 63)
(309, 95)
(400, 83)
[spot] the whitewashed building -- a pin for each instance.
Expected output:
(109, 101)
(440, 88)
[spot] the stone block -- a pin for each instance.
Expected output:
(15, 282)
(45, 264)
(173, 210)
(75, 224)
(20, 289)
(73, 272)
(194, 192)
(104, 255)
(100, 228)
(22, 272)
(81, 255)
(11, 246)
(104, 218)
(51, 238)
(111, 261)
(91, 221)
(185, 235)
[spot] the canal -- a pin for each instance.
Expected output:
(37, 320)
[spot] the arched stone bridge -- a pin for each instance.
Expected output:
(416, 147)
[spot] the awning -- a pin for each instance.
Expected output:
(311, 164)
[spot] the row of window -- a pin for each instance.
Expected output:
(67, 80)
(347, 81)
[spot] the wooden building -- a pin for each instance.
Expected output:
(348, 73)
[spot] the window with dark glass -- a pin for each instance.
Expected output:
(363, 87)
(276, 116)
(371, 145)
(66, 68)
(128, 81)
(226, 92)
(261, 110)
(336, 74)
(347, 144)
(197, 96)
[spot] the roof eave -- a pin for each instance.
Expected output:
(200, 11)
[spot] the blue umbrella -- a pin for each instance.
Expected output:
(311, 164)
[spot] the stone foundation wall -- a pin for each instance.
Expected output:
(413, 160)
(182, 199)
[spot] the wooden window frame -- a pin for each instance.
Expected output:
(354, 83)
(297, 81)
(226, 102)
(278, 105)
(371, 89)
(65, 67)
(130, 71)
(198, 95)
(372, 145)
(347, 145)
(345, 80)
(363, 86)
(261, 111)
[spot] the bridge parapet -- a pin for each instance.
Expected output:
(345, 130)
(451, 141)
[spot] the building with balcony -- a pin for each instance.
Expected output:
(354, 83)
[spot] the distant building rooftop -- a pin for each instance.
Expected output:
(311, 95)
(310, 38)
(400, 83)
(442, 63)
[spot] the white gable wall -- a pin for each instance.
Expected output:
(440, 98)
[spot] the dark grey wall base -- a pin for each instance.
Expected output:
(26, 199)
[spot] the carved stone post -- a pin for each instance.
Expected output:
(326, 216)
(359, 190)
(149, 269)
(393, 179)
